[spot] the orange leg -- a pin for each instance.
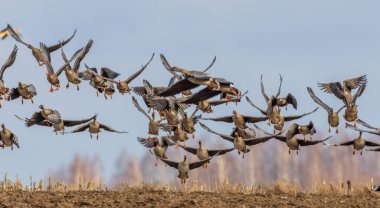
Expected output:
(97, 93)
(57, 88)
(51, 88)
(68, 85)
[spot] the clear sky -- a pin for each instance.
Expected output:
(306, 41)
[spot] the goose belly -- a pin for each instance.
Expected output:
(293, 143)
(183, 171)
(240, 145)
(333, 120)
(359, 144)
(159, 151)
(153, 128)
(202, 154)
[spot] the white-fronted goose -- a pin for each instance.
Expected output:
(238, 119)
(25, 91)
(123, 86)
(4, 33)
(72, 72)
(240, 144)
(99, 81)
(343, 90)
(94, 127)
(332, 116)
(37, 53)
(58, 128)
(279, 101)
(153, 126)
(8, 138)
(159, 149)
(203, 153)
(358, 143)
(52, 76)
(9, 62)
(184, 167)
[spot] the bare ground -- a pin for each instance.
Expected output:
(149, 198)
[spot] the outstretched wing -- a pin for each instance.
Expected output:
(16, 37)
(319, 101)
(189, 149)
(58, 45)
(263, 90)
(35, 119)
(355, 82)
(13, 94)
(362, 130)
(279, 87)
(201, 95)
(227, 119)
(359, 92)
(70, 123)
(199, 163)
(253, 105)
(226, 137)
(290, 118)
(371, 144)
(46, 59)
(170, 163)
(258, 140)
(178, 87)
(82, 54)
(363, 123)
(212, 153)
(212, 63)
(168, 67)
(81, 128)
(157, 103)
(253, 119)
(302, 142)
(133, 76)
(9, 62)
(333, 88)
(108, 73)
(344, 143)
(290, 99)
(110, 129)
(139, 108)
(146, 142)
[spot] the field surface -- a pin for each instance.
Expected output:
(147, 198)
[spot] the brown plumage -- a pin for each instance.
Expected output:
(25, 91)
(36, 52)
(72, 72)
(94, 127)
(9, 62)
(238, 119)
(332, 116)
(123, 85)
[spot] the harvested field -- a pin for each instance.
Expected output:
(134, 197)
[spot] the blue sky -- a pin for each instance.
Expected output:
(306, 41)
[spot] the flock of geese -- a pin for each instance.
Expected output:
(172, 102)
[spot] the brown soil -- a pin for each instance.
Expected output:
(142, 198)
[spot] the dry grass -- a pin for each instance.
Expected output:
(279, 187)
